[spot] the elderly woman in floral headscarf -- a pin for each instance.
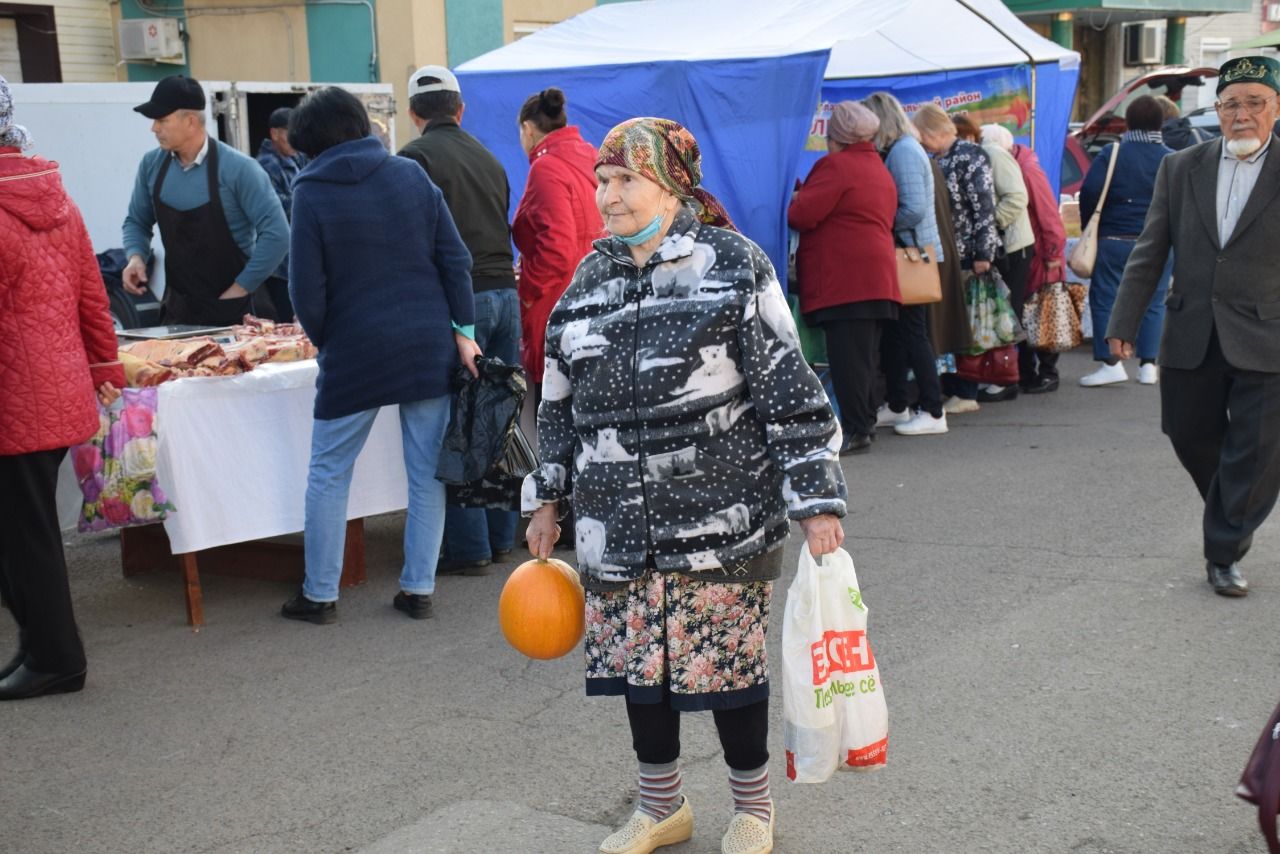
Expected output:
(680, 417)
(57, 350)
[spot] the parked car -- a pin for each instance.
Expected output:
(1107, 123)
(1075, 163)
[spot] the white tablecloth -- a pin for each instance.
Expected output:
(234, 451)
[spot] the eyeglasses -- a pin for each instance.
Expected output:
(1252, 106)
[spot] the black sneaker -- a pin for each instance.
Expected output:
(464, 567)
(857, 443)
(415, 605)
(1043, 385)
(302, 608)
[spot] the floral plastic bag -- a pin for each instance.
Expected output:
(991, 315)
(116, 469)
(834, 713)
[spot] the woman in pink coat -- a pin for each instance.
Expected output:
(557, 218)
(57, 347)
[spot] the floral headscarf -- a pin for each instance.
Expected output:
(666, 153)
(10, 134)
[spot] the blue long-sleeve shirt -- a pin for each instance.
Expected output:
(909, 165)
(253, 211)
(1134, 181)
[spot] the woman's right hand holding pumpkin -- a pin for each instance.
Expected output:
(543, 531)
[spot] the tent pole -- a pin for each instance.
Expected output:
(1030, 59)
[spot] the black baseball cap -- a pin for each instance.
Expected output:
(173, 93)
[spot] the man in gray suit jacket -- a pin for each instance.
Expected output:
(1217, 206)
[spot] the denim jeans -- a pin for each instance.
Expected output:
(335, 444)
(472, 533)
(1113, 254)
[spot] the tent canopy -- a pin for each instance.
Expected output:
(746, 75)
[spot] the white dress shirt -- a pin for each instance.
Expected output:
(1236, 179)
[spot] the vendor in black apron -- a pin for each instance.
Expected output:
(210, 279)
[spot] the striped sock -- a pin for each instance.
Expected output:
(751, 792)
(659, 789)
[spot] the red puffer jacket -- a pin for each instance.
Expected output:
(56, 340)
(553, 228)
(1046, 222)
(844, 213)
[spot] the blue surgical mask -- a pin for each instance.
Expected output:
(643, 234)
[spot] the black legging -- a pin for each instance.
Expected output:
(744, 733)
(852, 347)
(1015, 268)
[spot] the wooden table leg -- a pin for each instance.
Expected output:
(353, 555)
(195, 600)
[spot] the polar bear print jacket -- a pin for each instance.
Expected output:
(678, 412)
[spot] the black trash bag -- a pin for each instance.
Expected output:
(500, 488)
(480, 459)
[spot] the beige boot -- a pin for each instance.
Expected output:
(748, 835)
(641, 834)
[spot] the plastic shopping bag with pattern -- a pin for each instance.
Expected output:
(834, 712)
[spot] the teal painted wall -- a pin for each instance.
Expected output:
(472, 27)
(143, 71)
(340, 41)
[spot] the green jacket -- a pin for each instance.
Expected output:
(476, 190)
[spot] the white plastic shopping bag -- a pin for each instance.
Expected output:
(834, 712)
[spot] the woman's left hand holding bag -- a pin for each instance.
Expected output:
(823, 533)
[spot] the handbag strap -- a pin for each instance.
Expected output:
(1106, 185)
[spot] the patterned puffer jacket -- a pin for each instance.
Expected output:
(678, 410)
(56, 340)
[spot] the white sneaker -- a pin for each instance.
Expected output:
(959, 406)
(1106, 375)
(1149, 374)
(886, 417)
(923, 424)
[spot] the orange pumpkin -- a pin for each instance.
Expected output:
(542, 610)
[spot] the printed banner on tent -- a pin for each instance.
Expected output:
(989, 95)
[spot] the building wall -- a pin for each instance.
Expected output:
(410, 35)
(251, 45)
(539, 12)
(86, 44)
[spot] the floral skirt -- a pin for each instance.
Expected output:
(699, 643)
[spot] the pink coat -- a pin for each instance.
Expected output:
(57, 343)
(1046, 221)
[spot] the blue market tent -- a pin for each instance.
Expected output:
(745, 76)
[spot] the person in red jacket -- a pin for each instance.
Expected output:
(557, 219)
(847, 271)
(57, 346)
(1038, 371)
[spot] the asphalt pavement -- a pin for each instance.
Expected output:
(1060, 678)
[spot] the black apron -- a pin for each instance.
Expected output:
(201, 259)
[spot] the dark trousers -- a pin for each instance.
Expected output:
(33, 571)
(904, 346)
(852, 348)
(1235, 460)
(744, 733)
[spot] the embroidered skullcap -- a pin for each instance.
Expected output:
(851, 122)
(10, 134)
(1250, 69)
(667, 154)
(997, 135)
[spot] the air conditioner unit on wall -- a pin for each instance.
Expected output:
(1143, 44)
(153, 40)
